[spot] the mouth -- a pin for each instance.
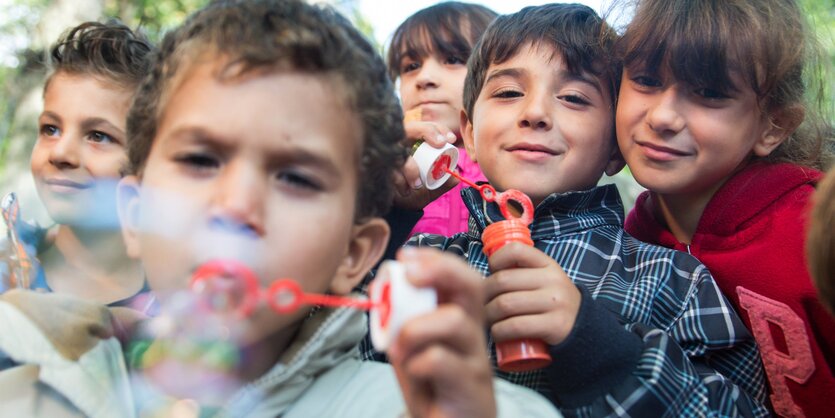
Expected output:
(430, 103)
(660, 152)
(532, 148)
(66, 184)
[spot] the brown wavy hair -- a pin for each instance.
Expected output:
(108, 50)
(768, 42)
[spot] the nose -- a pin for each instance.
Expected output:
(65, 153)
(238, 199)
(536, 113)
(427, 77)
(664, 114)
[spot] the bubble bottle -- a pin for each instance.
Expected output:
(20, 264)
(527, 353)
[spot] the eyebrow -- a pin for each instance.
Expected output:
(90, 123)
(285, 154)
(583, 77)
(505, 72)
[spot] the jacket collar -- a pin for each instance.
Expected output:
(558, 214)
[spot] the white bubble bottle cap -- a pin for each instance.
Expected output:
(432, 163)
(396, 301)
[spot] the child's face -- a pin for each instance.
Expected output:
(679, 139)
(269, 161)
(538, 128)
(81, 147)
(435, 85)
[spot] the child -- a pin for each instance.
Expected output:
(710, 104)
(632, 329)
(428, 54)
(820, 247)
(294, 188)
(80, 154)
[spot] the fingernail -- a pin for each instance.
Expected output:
(451, 136)
(441, 138)
(417, 184)
(408, 258)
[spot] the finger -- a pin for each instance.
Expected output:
(411, 173)
(454, 280)
(522, 303)
(401, 185)
(521, 279)
(449, 326)
(552, 328)
(435, 134)
(516, 254)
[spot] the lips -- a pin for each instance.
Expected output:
(66, 184)
(660, 152)
(527, 147)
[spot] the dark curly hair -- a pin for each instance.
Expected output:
(282, 35)
(109, 50)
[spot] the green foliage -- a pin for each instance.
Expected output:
(154, 16)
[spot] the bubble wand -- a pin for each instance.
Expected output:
(21, 264)
(230, 286)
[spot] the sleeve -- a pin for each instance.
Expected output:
(401, 222)
(706, 364)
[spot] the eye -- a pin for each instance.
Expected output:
(196, 161)
(101, 138)
(454, 61)
(710, 94)
(646, 81)
(507, 94)
(50, 130)
(298, 180)
(574, 99)
(409, 67)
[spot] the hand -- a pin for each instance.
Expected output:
(441, 358)
(529, 296)
(410, 191)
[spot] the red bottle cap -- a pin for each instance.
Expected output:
(522, 355)
(497, 234)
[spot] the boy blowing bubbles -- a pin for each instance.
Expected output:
(284, 134)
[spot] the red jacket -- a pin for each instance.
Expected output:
(751, 237)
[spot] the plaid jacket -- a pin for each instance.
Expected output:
(654, 335)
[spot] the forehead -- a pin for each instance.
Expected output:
(268, 110)
(540, 59)
(87, 95)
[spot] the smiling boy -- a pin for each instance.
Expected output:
(632, 329)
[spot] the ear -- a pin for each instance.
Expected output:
(782, 123)
(127, 201)
(467, 134)
(368, 242)
(616, 162)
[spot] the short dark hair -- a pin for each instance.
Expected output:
(109, 50)
(452, 29)
(283, 35)
(579, 35)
